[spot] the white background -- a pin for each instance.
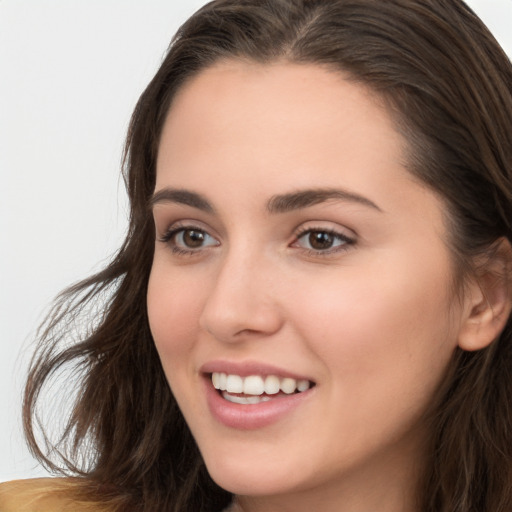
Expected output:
(70, 74)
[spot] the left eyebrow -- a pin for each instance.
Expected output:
(304, 198)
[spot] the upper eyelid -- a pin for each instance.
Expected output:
(168, 239)
(347, 243)
(174, 229)
(325, 225)
(349, 239)
(191, 223)
(304, 227)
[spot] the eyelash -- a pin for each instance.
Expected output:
(344, 246)
(169, 235)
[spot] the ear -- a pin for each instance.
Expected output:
(487, 298)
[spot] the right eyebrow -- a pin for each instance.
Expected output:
(181, 196)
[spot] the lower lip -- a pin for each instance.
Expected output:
(252, 416)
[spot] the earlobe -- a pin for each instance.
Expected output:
(488, 299)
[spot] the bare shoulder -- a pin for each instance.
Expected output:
(41, 495)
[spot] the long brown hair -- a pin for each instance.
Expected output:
(448, 85)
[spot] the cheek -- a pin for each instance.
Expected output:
(380, 334)
(173, 310)
(384, 345)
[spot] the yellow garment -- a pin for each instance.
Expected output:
(41, 495)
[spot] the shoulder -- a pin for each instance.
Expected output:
(41, 495)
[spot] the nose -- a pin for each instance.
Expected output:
(242, 302)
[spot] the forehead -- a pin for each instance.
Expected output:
(260, 130)
(280, 95)
(273, 113)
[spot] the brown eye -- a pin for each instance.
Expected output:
(193, 238)
(323, 241)
(189, 239)
(320, 240)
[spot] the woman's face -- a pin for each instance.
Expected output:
(295, 252)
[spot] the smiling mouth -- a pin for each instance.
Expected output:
(255, 389)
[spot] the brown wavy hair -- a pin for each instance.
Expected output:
(448, 85)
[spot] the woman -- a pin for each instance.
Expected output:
(311, 308)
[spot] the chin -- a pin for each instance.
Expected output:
(255, 484)
(250, 477)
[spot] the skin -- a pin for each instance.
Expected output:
(373, 322)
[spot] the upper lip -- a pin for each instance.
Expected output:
(246, 368)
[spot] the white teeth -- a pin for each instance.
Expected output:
(288, 385)
(223, 381)
(246, 400)
(303, 385)
(256, 385)
(271, 385)
(235, 384)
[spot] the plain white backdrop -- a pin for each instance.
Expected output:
(70, 75)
